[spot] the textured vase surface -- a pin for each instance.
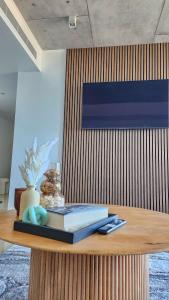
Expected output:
(30, 197)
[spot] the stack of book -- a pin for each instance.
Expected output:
(74, 217)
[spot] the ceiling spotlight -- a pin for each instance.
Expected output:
(72, 22)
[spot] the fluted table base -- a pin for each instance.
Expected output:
(56, 276)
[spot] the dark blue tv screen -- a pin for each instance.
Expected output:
(125, 105)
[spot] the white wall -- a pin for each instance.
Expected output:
(39, 111)
(6, 139)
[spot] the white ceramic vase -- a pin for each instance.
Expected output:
(30, 197)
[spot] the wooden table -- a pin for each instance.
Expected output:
(112, 267)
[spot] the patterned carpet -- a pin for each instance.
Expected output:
(159, 276)
(14, 275)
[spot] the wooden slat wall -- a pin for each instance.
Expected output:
(127, 167)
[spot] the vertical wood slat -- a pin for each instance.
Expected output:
(85, 277)
(126, 167)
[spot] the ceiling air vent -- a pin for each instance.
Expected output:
(16, 25)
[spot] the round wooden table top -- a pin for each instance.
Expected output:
(145, 232)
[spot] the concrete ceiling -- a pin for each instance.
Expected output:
(100, 22)
(8, 87)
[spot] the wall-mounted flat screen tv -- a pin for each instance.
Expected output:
(125, 105)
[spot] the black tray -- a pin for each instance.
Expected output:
(60, 235)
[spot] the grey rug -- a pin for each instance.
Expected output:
(159, 276)
(14, 275)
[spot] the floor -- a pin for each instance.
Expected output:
(14, 275)
(3, 206)
(3, 202)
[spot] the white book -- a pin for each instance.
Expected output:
(73, 217)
